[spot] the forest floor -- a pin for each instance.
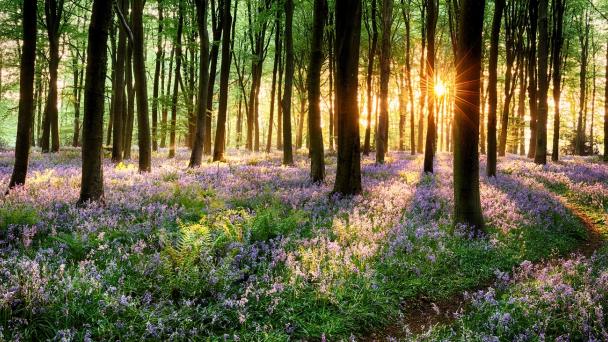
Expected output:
(250, 250)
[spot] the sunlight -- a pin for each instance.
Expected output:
(440, 89)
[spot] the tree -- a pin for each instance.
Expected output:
(26, 93)
(289, 71)
(157, 75)
(492, 87)
(431, 131)
(370, 73)
(532, 74)
(385, 72)
(197, 147)
(92, 130)
(220, 133)
(317, 162)
(141, 88)
(178, 63)
(53, 10)
(119, 89)
(606, 111)
(467, 203)
(543, 84)
(348, 37)
(556, 57)
(273, 91)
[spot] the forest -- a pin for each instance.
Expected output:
(303, 170)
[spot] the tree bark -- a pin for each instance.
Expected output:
(543, 84)
(157, 72)
(370, 74)
(556, 55)
(467, 203)
(348, 37)
(606, 111)
(197, 148)
(220, 133)
(289, 71)
(532, 75)
(178, 63)
(53, 10)
(431, 132)
(492, 87)
(119, 91)
(26, 93)
(92, 131)
(141, 88)
(275, 70)
(385, 73)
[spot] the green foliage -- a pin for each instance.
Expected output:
(20, 215)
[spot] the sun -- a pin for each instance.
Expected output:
(440, 89)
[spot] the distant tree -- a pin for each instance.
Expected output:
(92, 130)
(317, 157)
(543, 84)
(467, 203)
(118, 91)
(606, 111)
(584, 28)
(348, 37)
(157, 89)
(532, 73)
(26, 93)
(178, 63)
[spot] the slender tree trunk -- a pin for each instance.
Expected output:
(165, 113)
(385, 73)
(348, 37)
(580, 127)
(315, 135)
(130, 105)
(532, 75)
(370, 74)
(26, 92)
(157, 72)
(431, 132)
(289, 71)
(275, 70)
(331, 63)
(556, 55)
(492, 87)
(606, 111)
(178, 63)
(543, 84)
(75, 92)
(217, 24)
(197, 148)
(92, 130)
(280, 99)
(119, 91)
(422, 97)
(141, 88)
(220, 135)
(467, 203)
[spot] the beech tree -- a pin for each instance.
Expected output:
(348, 38)
(91, 188)
(26, 93)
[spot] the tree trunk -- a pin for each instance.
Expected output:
(26, 93)
(543, 84)
(53, 10)
(220, 133)
(492, 85)
(275, 70)
(532, 75)
(197, 147)
(385, 73)
(315, 135)
(92, 130)
(216, 24)
(370, 74)
(431, 132)
(556, 55)
(119, 91)
(289, 71)
(606, 111)
(467, 203)
(178, 63)
(348, 37)
(130, 106)
(141, 88)
(157, 72)
(165, 113)
(422, 97)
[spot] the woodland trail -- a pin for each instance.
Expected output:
(423, 313)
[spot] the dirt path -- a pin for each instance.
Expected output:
(423, 313)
